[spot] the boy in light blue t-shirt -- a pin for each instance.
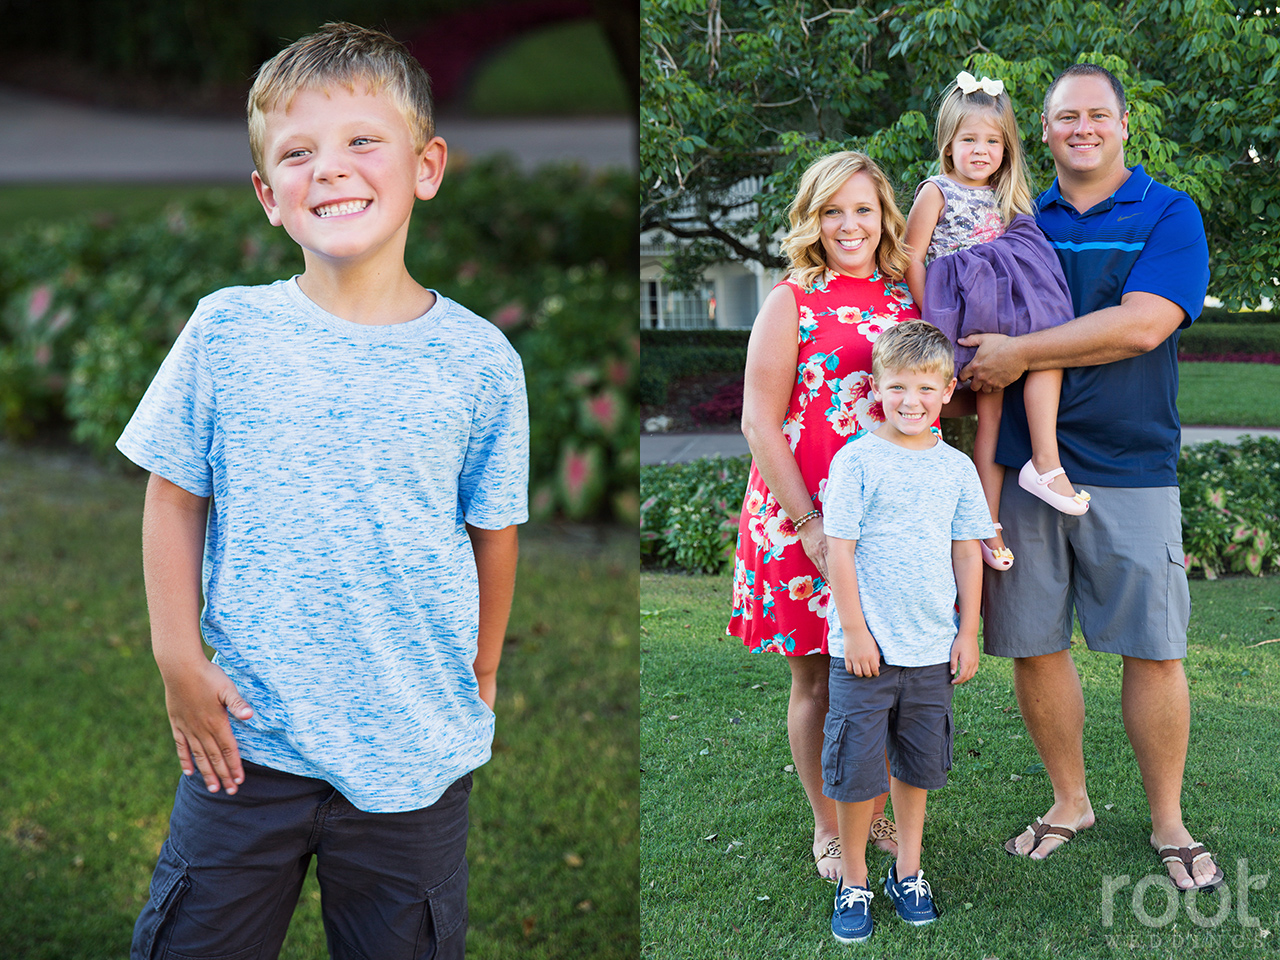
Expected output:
(339, 461)
(904, 516)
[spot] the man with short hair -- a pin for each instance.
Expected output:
(1136, 260)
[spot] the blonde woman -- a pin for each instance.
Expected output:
(807, 394)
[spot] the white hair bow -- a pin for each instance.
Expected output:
(968, 83)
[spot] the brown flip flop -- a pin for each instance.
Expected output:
(1039, 830)
(1188, 856)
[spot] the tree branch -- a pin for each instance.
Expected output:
(711, 232)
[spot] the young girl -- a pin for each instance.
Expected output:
(979, 264)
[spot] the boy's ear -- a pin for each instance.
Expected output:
(951, 388)
(267, 197)
(875, 390)
(431, 168)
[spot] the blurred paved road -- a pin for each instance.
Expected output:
(47, 140)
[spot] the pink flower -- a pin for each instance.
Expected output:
(60, 320)
(811, 377)
(543, 501)
(861, 386)
(619, 372)
(38, 304)
(468, 271)
(604, 410)
(509, 316)
(583, 377)
(580, 479)
(872, 328)
(843, 422)
(800, 588)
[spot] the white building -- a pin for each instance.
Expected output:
(729, 297)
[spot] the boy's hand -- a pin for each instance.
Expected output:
(861, 655)
(197, 698)
(488, 688)
(964, 659)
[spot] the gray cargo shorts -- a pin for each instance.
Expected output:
(1119, 568)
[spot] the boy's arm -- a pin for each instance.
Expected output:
(966, 561)
(861, 655)
(495, 552)
(197, 693)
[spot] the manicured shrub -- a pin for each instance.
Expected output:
(665, 364)
(689, 512)
(1230, 509)
(89, 309)
(1230, 506)
(1229, 338)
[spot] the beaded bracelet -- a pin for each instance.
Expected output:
(806, 518)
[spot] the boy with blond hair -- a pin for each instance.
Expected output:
(344, 456)
(904, 514)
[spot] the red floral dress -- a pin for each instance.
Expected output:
(779, 598)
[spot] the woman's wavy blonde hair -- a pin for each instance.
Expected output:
(1010, 181)
(802, 246)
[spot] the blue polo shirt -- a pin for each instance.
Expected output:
(1118, 422)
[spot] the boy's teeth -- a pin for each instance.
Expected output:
(342, 209)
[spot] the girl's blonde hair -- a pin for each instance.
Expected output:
(1010, 181)
(802, 246)
(342, 55)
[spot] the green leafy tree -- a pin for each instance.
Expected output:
(737, 96)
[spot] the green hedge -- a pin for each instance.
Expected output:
(660, 365)
(88, 311)
(667, 355)
(1223, 315)
(1230, 509)
(667, 339)
(1232, 337)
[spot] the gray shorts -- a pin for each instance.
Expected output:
(1119, 568)
(905, 710)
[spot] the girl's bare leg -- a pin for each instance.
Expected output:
(1041, 393)
(990, 408)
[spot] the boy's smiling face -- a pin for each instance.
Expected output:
(912, 401)
(341, 174)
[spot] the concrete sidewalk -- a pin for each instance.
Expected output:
(682, 447)
(49, 140)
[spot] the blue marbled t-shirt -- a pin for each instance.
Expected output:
(340, 587)
(904, 508)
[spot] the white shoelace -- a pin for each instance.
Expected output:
(849, 896)
(917, 885)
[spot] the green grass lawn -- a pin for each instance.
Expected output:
(1229, 394)
(566, 69)
(726, 870)
(88, 769)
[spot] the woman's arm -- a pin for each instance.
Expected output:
(770, 377)
(921, 222)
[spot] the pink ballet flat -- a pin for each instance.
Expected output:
(999, 559)
(1038, 486)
